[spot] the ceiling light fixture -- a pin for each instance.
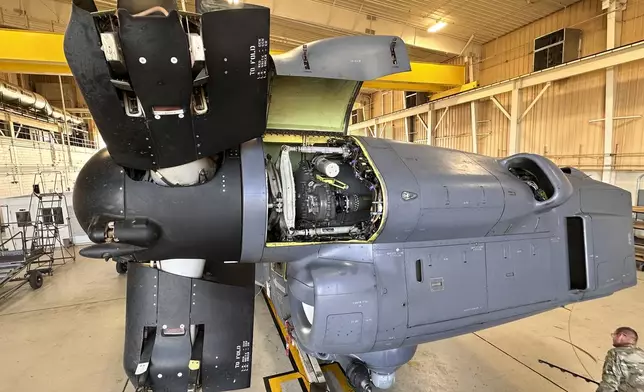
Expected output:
(437, 26)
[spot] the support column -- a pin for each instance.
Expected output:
(475, 144)
(65, 132)
(613, 35)
(609, 109)
(469, 63)
(407, 119)
(431, 119)
(15, 160)
(515, 125)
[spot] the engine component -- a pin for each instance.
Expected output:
(325, 231)
(197, 172)
(190, 268)
(325, 166)
(316, 202)
(318, 149)
(383, 381)
(288, 189)
(358, 376)
(330, 201)
(333, 197)
(530, 180)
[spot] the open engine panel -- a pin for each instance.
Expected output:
(323, 193)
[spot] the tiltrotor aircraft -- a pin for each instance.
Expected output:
(381, 245)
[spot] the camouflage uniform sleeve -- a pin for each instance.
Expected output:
(611, 374)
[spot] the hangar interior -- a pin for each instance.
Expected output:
(559, 80)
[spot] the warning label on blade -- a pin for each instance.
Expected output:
(242, 356)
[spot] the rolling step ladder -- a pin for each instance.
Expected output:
(37, 247)
(16, 266)
(49, 220)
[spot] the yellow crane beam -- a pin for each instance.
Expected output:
(33, 52)
(426, 77)
(456, 90)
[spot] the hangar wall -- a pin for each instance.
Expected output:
(34, 148)
(566, 124)
(29, 146)
(35, 15)
(20, 160)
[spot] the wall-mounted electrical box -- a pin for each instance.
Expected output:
(556, 48)
(357, 115)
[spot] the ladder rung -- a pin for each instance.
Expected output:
(8, 270)
(10, 264)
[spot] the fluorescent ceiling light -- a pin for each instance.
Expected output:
(437, 26)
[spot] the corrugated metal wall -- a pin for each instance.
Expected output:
(512, 54)
(633, 22)
(420, 135)
(36, 148)
(559, 125)
(8, 77)
(493, 127)
(454, 131)
(628, 138)
(20, 160)
(387, 102)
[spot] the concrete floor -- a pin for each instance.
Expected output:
(69, 336)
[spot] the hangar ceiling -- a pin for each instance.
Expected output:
(486, 19)
(295, 22)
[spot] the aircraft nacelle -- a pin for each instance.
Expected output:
(368, 246)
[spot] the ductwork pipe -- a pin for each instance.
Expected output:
(18, 96)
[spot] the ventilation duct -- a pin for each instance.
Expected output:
(17, 96)
(204, 6)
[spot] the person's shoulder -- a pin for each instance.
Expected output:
(628, 352)
(626, 349)
(613, 352)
